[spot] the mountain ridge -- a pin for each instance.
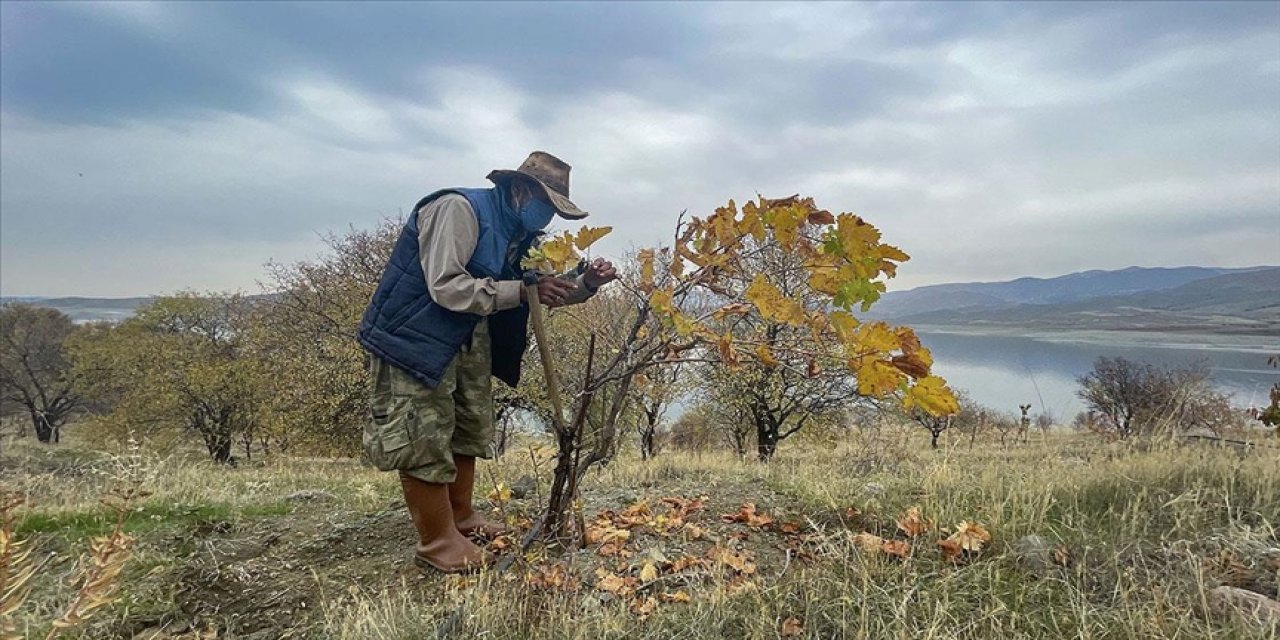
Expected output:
(1234, 301)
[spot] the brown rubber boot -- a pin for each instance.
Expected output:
(440, 546)
(465, 518)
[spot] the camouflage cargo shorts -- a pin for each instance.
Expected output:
(417, 429)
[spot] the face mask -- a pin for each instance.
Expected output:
(536, 214)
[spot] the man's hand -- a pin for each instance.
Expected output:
(551, 291)
(599, 273)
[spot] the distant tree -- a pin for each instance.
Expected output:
(936, 425)
(308, 326)
(970, 418)
(33, 367)
(181, 367)
(1044, 422)
(693, 431)
(1138, 398)
(653, 395)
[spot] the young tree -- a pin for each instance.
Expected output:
(179, 367)
(33, 367)
(970, 417)
(686, 309)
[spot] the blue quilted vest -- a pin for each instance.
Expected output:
(405, 327)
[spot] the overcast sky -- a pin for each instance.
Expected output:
(146, 148)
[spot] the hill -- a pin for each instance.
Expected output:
(1238, 301)
(1072, 287)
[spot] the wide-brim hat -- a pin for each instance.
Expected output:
(548, 173)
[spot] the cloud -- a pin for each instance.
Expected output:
(988, 140)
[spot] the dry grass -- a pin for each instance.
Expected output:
(1150, 528)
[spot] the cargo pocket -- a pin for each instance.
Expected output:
(388, 435)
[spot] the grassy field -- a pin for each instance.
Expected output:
(1132, 538)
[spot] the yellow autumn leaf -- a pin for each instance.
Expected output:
(877, 378)
(587, 236)
(931, 394)
(559, 253)
(825, 280)
(773, 305)
(751, 224)
(501, 494)
(680, 596)
(765, 356)
(677, 266)
(685, 326)
(890, 252)
(661, 302)
(878, 337)
(645, 256)
(649, 572)
(855, 234)
(844, 324)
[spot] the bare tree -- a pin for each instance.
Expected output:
(1138, 398)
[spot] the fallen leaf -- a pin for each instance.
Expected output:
(501, 494)
(644, 607)
(912, 524)
(613, 583)
(635, 515)
(685, 562)
(739, 561)
(899, 548)
(970, 536)
(649, 572)
(868, 542)
(679, 596)
(748, 515)
(792, 627)
(694, 532)
(951, 550)
(1062, 555)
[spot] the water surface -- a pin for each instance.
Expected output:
(1004, 370)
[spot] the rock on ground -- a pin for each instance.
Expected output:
(1034, 552)
(1245, 605)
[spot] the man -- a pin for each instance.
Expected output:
(449, 312)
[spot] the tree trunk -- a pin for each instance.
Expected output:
(559, 498)
(219, 446)
(44, 430)
(766, 440)
(647, 434)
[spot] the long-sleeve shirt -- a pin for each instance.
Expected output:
(447, 236)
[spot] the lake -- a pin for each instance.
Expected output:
(1003, 370)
